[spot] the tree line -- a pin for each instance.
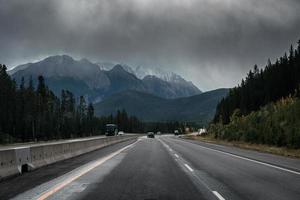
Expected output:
(132, 124)
(265, 107)
(31, 112)
(276, 80)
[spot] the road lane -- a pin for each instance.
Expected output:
(233, 177)
(162, 168)
(147, 171)
(19, 184)
(282, 161)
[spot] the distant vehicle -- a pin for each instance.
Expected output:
(176, 132)
(201, 131)
(158, 133)
(111, 130)
(150, 135)
(120, 133)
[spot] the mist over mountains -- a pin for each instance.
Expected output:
(98, 80)
(198, 108)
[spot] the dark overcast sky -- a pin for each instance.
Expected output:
(210, 42)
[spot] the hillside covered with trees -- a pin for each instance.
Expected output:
(276, 80)
(265, 107)
(198, 109)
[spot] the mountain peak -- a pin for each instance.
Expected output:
(122, 68)
(59, 59)
(118, 67)
(85, 61)
(61, 70)
(151, 77)
(168, 76)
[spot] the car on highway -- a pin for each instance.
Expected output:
(176, 132)
(111, 129)
(201, 131)
(150, 135)
(158, 133)
(121, 133)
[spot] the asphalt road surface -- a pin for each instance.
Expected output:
(166, 167)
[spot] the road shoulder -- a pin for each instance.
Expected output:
(281, 161)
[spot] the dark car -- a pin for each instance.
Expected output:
(111, 130)
(150, 135)
(176, 132)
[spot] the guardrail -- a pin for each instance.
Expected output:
(17, 160)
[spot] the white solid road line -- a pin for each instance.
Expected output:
(82, 172)
(218, 195)
(176, 155)
(251, 160)
(189, 168)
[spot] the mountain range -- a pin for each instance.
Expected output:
(98, 80)
(151, 94)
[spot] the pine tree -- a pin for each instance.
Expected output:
(91, 126)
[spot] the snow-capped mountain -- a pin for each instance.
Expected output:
(105, 66)
(97, 81)
(185, 87)
(141, 72)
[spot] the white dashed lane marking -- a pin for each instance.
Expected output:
(188, 167)
(218, 195)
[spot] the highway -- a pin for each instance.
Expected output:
(166, 167)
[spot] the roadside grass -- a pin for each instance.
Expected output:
(282, 151)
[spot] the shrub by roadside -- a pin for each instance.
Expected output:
(276, 124)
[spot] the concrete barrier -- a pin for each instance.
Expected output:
(8, 164)
(17, 160)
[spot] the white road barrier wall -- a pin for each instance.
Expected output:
(8, 163)
(15, 160)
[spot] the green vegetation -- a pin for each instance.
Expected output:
(265, 108)
(275, 124)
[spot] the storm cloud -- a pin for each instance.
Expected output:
(210, 42)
